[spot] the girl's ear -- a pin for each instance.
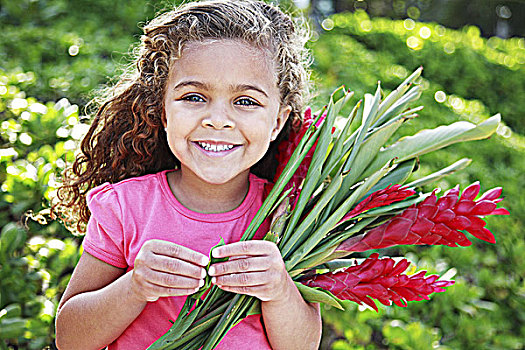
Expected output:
(282, 117)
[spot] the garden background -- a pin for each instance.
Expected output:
(55, 53)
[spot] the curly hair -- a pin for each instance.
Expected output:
(127, 138)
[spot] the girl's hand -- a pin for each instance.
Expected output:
(255, 268)
(165, 269)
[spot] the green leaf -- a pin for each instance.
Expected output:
(341, 146)
(398, 175)
(369, 108)
(326, 250)
(430, 140)
(255, 309)
(336, 264)
(459, 165)
(318, 295)
(400, 105)
(394, 96)
(369, 150)
(12, 238)
(327, 195)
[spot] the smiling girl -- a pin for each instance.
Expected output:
(178, 157)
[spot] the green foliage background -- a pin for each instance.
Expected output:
(55, 52)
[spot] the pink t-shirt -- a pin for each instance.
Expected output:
(127, 214)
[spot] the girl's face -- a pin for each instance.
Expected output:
(222, 109)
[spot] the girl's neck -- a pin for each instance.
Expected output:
(203, 197)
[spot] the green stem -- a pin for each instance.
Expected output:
(199, 328)
(238, 310)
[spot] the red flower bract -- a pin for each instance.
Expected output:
(434, 222)
(380, 198)
(381, 279)
(286, 149)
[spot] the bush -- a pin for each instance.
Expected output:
(36, 260)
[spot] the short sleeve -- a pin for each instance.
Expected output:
(104, 236)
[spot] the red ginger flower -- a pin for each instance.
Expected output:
(380, 279)
(434, 222)
(381, 198)
(287, 147)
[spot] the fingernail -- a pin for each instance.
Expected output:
(205, 260)
(213, 280)
(203, 273)
(211, 270)
(215, 253)
(201, 283)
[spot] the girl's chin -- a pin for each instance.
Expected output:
(214, 177)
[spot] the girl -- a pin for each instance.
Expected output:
(180, 153)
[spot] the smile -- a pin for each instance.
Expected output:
(215, 148)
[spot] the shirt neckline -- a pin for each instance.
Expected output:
(210, 217)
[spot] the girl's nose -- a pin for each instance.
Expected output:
(218, 118)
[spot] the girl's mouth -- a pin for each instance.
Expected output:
(222, 148)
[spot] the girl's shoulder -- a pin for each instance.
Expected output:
(126, 185)
(134, 189)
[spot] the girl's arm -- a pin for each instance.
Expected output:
(101, 301)
(96, 307)
(256, 268)
(291, 322)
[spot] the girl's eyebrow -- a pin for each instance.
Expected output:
(235, 88)
(244, 87)
(192, 83)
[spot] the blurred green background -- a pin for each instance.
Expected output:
(55, 53)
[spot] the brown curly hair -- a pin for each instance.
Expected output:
(127, 138)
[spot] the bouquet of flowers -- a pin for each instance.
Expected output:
(344, 191)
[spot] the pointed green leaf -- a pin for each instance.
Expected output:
(430, 140)
(341, 147)
(400, 105)
(459, 165)
(336, 264)
(318, 295)
(312, 216)
(369, 150)
(397, 176)
(369, 110)
(394, 96)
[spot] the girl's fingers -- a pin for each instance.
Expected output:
(154, 291)
(176, 266)
(249, 248)
(259, 292)
(173, 250)
(239, 265)
(173, 281)
(242, 279)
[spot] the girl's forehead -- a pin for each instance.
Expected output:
(196, 56)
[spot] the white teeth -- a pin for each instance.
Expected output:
(215, 148)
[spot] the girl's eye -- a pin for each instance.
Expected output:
(193, 98)
(247, 102)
